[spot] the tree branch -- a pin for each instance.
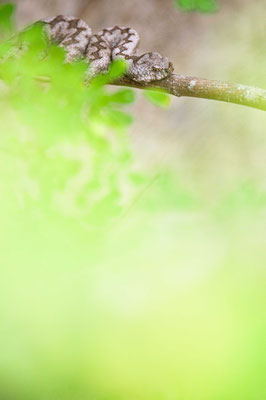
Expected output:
(180, 85)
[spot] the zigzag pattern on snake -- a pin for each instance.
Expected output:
(100, 49)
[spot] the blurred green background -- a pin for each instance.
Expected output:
(132, 238)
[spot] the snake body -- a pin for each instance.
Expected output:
(100, 49)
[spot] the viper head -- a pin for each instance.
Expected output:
(151, 67)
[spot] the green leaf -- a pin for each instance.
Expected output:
(117, 69)
(6, 17)
(117, 119)
(185, 5)
(159, 98)
(206, 6)
(124, 96)
(33, 36)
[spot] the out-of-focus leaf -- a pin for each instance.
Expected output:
(117, 119)
(6, 17)
(206, 6)
(124, 96)
(66, 124)
(117, 69)
(160, 99)
(138, 178)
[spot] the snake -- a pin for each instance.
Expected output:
(100, 49)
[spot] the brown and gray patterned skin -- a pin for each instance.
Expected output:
(117, 42)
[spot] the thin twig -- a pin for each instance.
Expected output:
(180, 85)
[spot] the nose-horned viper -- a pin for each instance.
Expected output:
(100, 49)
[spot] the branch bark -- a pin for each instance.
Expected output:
(180, 85)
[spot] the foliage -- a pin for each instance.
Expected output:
(159, 98)
(6, 18)
(205, 6)
(116, 284)
(60, 112)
